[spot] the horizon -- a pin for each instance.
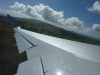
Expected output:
(84, 20)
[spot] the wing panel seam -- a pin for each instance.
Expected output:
(28, 41)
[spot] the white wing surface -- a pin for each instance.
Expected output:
(49, 55)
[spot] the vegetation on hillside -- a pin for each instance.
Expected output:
(44, 28)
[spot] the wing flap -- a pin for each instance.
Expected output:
(37, 51)
(30, 67)
(22, 43)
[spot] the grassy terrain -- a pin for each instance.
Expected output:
(9, 56)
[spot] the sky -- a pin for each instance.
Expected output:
(81, 16)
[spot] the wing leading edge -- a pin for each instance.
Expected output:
(55, 56)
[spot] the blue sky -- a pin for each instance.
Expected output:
(82, 13)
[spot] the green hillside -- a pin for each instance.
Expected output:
(44, 28)
(9, 56)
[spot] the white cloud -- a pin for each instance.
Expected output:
(33, 11)
(52, 15)
(47, 14)
(44, 12)
(96, 27)
(13, 13)
(17, 5)
(74, 21)
(88, 29)
(95, 7)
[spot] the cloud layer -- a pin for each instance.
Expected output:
(95, 7)
(44, 12)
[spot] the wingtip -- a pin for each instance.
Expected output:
(7, 14)
(13, 23)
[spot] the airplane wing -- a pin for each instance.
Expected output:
(49, 55)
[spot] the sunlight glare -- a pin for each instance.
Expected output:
(59, 73)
